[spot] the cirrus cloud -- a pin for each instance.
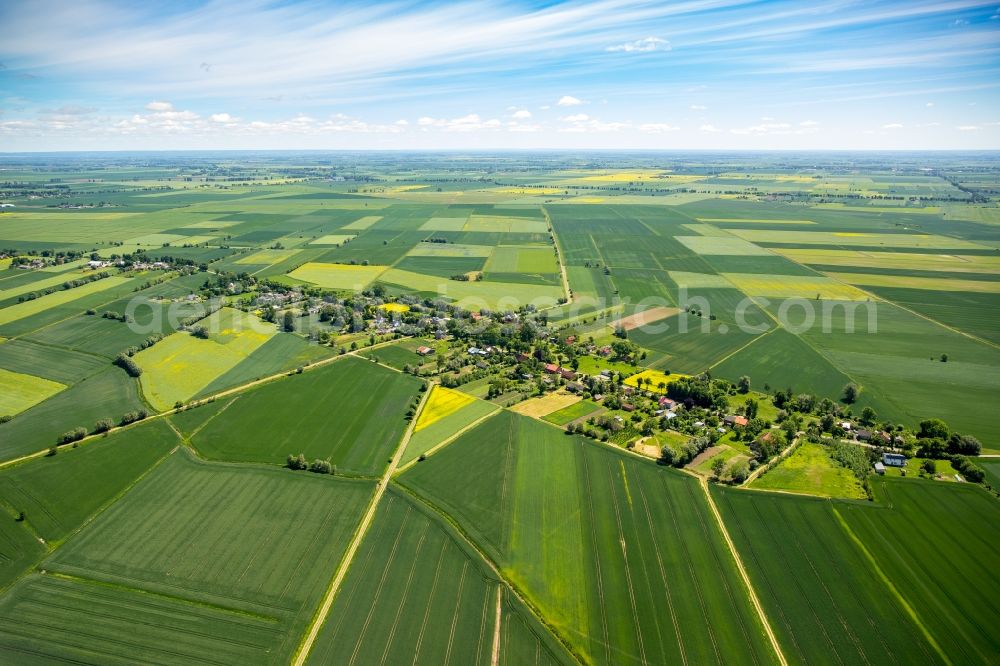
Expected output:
(644, 45)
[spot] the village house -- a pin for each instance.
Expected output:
(424, 351)
(893, 460)
(735, 420)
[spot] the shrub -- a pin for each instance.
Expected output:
(320, 467)
(73, 435)
(125, 362)
(103, 425)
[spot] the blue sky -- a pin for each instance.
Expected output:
(729, 74)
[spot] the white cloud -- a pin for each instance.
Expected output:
(644, 45)
(581, 122)
(515, 126)
(768, 128)
(709, 128)
(698, 107)
(967, 128)
(521, 114)
(891, 126)
(402, 122)
(468, 123)
(160, 106)
(223, 118)
(569, 100)
(809, 123)
(929, 104)
(657, 128)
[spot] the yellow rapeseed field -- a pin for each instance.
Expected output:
(652, 380)
(442, 402)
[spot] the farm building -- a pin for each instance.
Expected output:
(879, 468)
(551, 368)
(577, 387)
(735, 420)
(667, 403)
(894, 460)
(424, 351)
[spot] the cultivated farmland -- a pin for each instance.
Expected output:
(212, 541)
(604, 545)
(315, 413)
(419, 593)
(394, 320)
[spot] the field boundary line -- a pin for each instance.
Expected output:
(52, 546)
(910, 611)
(875, 297)
(84, 580)
(743, 573)
(341, 571)
(454, 526)
(559, 256)
(737, 351)
(448, 440)
(192, 404)
(495, 656)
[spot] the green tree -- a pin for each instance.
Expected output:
(965, 445)
(739, 471)
(868, 416)
(743, 385)
(718, 464)
(933, 429)
(928, 467)
(288, 322)
(851, 392)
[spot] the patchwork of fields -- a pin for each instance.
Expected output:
(603, 545)
(464, 525)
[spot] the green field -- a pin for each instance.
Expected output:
(603, 545)
(419, 593)
(810, 470)
(106, 395)
(922, 544)
(57, 493)
(474, 295)
(179, 367)
(430, 436)
(575, 411)
(20, 311)
(337, 276)
(349, 412)
(18, 391)
(185, 538)
(824, 601)
(209, 546)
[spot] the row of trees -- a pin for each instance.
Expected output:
(316, 466)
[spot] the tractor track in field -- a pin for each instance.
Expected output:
(341, 572)
(743, 574)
